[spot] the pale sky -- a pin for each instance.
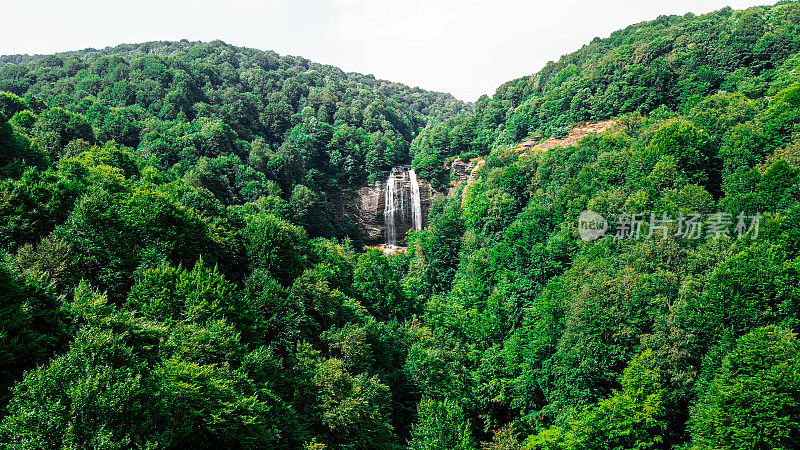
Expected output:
(465, 47)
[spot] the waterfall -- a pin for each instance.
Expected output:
(416, 204)
(402, 208)
(389, 210)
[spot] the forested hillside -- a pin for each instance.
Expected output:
(173, 277)
(673, 61)
(241, 123)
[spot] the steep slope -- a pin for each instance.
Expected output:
(645, 333)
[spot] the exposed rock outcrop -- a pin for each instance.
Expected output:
(462, 173)
(573, 137)
(369, 212)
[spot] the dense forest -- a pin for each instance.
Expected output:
(173, 274)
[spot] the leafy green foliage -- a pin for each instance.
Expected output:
(752, 400)
(441, 426)
(33, 327)
(379, 285)
(276, 246)
(630, 418)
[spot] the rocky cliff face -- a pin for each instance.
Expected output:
(462, 173)
(369, 204)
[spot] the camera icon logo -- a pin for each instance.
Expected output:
(591, 225)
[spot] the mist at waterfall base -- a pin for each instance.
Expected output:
(402, 205)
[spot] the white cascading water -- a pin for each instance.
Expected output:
(389, 210)
(401, 208)
(416, 203)
(396, 207)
